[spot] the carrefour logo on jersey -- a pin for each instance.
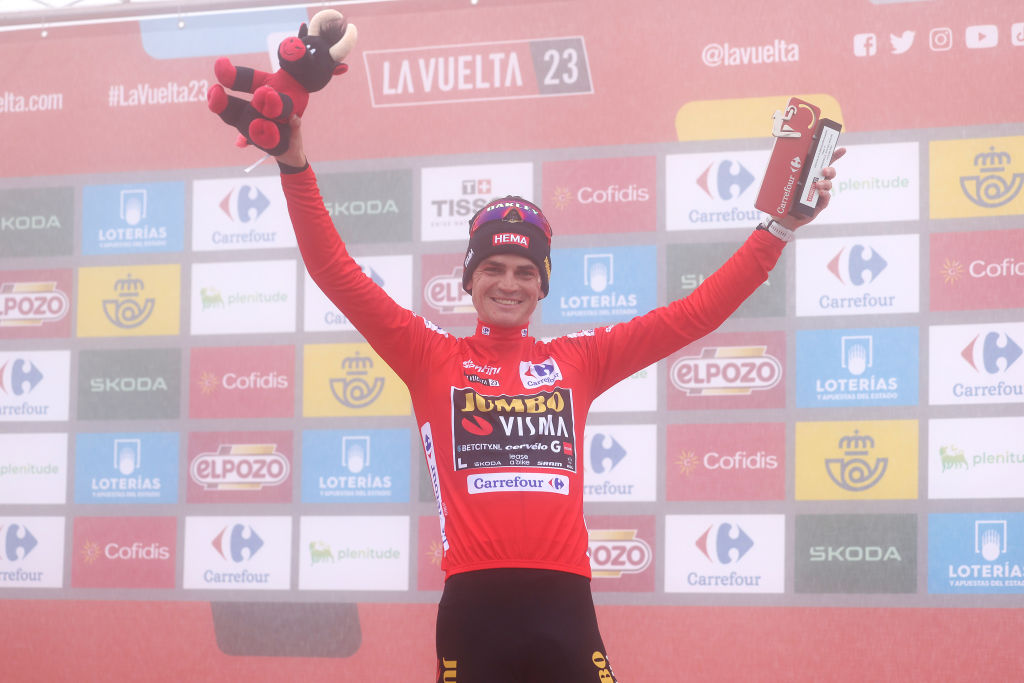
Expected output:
(240, 213)
(31, 552)
(238, 553)
(706, 191)
(729, 370)
(860, 367)
(240, 467)
(857, 275)
(34, 385)
(976, 553)
(725, 553)
(978, 457)
(356, 466)
(544, 373)
(612, 284)
(126, 467)
(976, 363)
(135, 218)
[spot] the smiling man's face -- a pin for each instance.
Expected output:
(506, 289)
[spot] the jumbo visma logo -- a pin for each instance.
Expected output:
(350, 380)
(977, 177)
(870, 459)
(129, 301)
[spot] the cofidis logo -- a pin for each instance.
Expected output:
(347, 380)
(976, 363)
(726, 462)
(978, 457)
(34, 385)
(31, 552)
(859, 367)
(601, 195)
(725, 553)
(238, 553)
(123, 552)
(977, 270)
(240, 467)
(240, 213)
(366, 466)
(621, 552)
(35, 304)
(859, 460)
(129, 301)
(126, 467)
(976, 553)
(977, 177)
(729, 370)
(612, 284)
(242, 381)
(33, 469)
(136, 218)
(857, 275)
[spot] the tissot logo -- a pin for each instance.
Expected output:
(450, 196)
(248, 381)
(856, 553)
(976, 553)
(129, 383)
(232, 467)
(977, 270)
(124, 552)
(976, 363)
(37, 222)
(35, 304)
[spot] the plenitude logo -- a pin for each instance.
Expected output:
(354, 553)
(978, 457)
(240, 213)
(129, 301)
(31, 552)
(129, 383)
(976, 553)
(450, 195)
(33, 469)
(726, 461)
(857, 275)
(348, 380)
(729, 370)
(876, 183)
(34, 385)
(855, 553)
(977, 270)
(972, 364)
(245, 297)
(976, 177)
(133, 218)
(619, 462)
(35, 304)
(591, 196)
(238, 553)
(725, 553)
(242, 381)
(126, 467)
(857, 367)
(240, 467)
(621, 552)
(856, 460)
(356, 466)
(392, 273)
(123, 552)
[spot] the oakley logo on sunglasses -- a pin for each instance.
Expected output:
(511, 238)
(511, 211)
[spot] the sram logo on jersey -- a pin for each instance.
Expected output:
(539, 483)
(513, 431)
(534, 375)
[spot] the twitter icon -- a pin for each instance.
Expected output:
(901, 43)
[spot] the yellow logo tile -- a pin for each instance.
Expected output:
(349, 380)
(129, 301)
(976, 177)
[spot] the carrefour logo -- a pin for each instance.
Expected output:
(992, 353)
(727, 179)
(725, 544)
(244, 203)
(237, 543)
(18, 542)
(19, 377)
(726, 371)
(989, 368)
(857, 265)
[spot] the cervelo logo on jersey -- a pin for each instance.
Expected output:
(534, 375)
(537, 483)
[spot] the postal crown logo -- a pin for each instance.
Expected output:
(605, 453)
(990, 539)
(128, 310)
(18, 542)
(992, 186)
(244, 203)
(857, 265)
(237, 543)
(996, 353)
(854, 471)
(19, 377)
(353, 390)
(724, 545)
(31, 304)
(729, 180)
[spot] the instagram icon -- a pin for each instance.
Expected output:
(940, 39)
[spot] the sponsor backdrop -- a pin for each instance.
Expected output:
(201, 458)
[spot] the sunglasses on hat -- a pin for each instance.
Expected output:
(511, 210)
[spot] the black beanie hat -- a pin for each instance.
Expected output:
(514, 229)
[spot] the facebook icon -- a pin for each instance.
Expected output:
(865, 45)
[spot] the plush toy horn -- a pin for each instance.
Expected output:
(332, 26)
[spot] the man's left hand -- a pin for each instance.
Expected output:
(824, 187)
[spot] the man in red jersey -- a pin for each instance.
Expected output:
(501, 418)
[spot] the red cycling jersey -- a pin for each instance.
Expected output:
(500, 413)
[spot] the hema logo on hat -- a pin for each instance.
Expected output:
(510, 225)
